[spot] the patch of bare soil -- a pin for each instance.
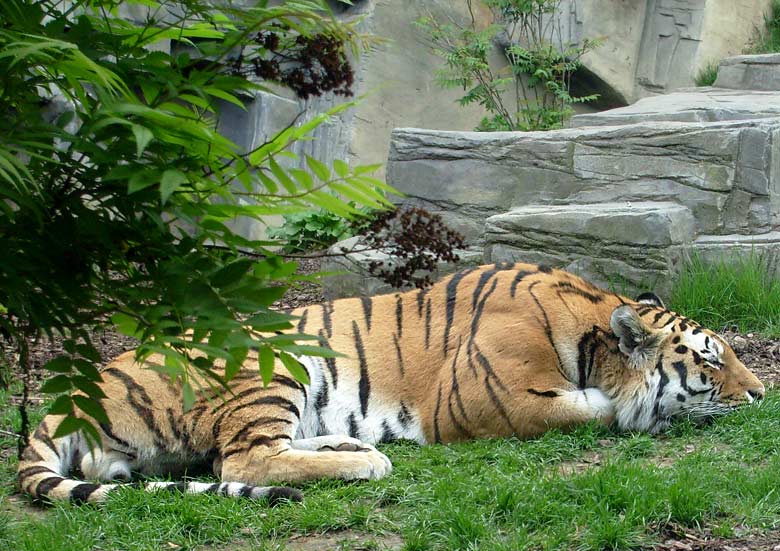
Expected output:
(346, 539)
(681, 540)
(761, 355)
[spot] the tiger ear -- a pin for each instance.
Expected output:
(650, 298)
(637, 340)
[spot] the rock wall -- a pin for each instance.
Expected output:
(655, 46)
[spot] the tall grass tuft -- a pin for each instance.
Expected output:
(707, 75)
(738, 291)
(768, 40)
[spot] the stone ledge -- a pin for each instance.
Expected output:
(750, 72)
(628, 246)
(689, 105)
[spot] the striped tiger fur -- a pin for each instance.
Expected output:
(499, 350)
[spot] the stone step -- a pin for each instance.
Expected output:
(689, 105)
(630, 246)
(750, 72)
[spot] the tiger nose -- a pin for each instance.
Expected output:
(756, 393)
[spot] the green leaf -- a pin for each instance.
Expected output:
(142, 138)
(295, 368)
(171, 180)
(63, 405)
(126, 325)
(341, 168)
(91, 407)
(318, 168)
(57, 384)
(87, 369)
(60, 364)
(188, 396)
(266, 360)
(89, 352)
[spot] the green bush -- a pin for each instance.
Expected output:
(541, 66)
(115, 206)
(317, 229)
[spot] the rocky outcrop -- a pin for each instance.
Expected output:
(720, 171)
(655, 46)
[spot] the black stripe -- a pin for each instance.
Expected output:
(302, 321)
(658, 316)
(427, 324)
(452, 295)
(398, 354)
(81, 493)
(181, 437)
(455, 385)
(262, 440)
(367, 306)
(35, 469)
(143, 410)
(682, 372)
(547, 328)
(262, 401)
(664, 381)
(176, 488)
(478, 313)
(289, 382)
(399, 314)
(213, 488)
(404, 416)
(326, 321)
(483, 280)
(485, 364)
(108, 432)
(322, 398)
(463, 430)
(420, 300)
(47, 485)
(353, 426)
(42, 434)
(544, 268)
(364, 386)
(387, 433)
(246, 491)
(567, 288)
(519, 276)
(30, 454)
(499, 406)
(436, 434)
(545, 393)
(586, 349)
(329, 362)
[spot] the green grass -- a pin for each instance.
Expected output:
(707, 75)
(733, 292)
(490, 494)
(768, 40)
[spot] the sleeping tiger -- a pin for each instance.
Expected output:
(500, 350)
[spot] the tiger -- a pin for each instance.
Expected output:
(489, 352)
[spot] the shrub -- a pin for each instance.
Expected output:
(113, 210)
(541, 65)
(707, 75)
(767, 40)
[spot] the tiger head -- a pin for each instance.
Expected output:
(680, 368)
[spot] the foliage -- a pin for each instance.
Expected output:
(738, 291)
(767, 40)
(707, 75)
(541, 65)
(115, 208)
(317, 229)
